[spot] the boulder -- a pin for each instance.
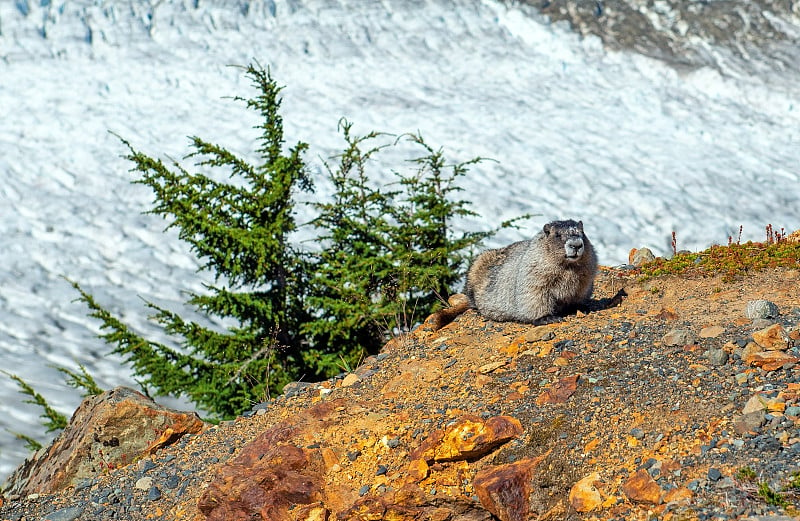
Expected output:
(107, 431)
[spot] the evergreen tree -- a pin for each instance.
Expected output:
(240, 230)
(390, 254)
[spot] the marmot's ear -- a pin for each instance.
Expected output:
(546, 229)
(580, 225)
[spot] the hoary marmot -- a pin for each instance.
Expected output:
(532, 281)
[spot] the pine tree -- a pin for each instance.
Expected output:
(240, 230)
(390, 255)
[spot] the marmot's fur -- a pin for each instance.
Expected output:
(531, 281)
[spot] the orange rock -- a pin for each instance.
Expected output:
(482, 380)
(418, 470)
(667, 314)
(642, 488)
(469, 437)
(772, 338)
(770, 360)
(589, 447)
(505, 490)
(678, 494)
(560, 391)
(584, 496)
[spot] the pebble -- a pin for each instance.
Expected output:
(761, 309)
(144, 483)
(154, 494)
(711, 331)
(353, 455)
(363, 491)
(714, 474)
(172, 482)
(792, 411)
(637, 433)
(382, 470)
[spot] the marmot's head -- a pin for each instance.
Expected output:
(568, 237)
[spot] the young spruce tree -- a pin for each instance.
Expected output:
(390, 255)
(240, 230)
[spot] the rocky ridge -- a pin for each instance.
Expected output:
(683, 402)
(731, 35)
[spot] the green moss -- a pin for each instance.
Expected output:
(732, 261)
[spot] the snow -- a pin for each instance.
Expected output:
(633, 147)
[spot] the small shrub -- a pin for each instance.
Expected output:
(746, 474)
(731, 261)
(770, 496)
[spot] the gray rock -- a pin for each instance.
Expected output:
(642, 255)
(143, 483)
(679, 337)
(761, 309)
(769, 518)
(792, 411)
(748, 422)
(717, 357)
(154, 494)
(66, 514)
(761, 323)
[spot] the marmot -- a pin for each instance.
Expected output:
(532, 281)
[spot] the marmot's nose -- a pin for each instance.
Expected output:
(574, 247)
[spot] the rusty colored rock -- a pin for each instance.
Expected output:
(311, 512)
(642, 488)
(560, 391)
(273, 477)
(107, 431)
(772, 338)
(584, 496)
(771, 360)
(468, 438)
(266, 479)
(410, 503)
(680, 494)
(505, 490)
(418, 470)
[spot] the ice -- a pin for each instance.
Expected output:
(630, 145)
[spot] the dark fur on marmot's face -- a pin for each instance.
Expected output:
(568, 235)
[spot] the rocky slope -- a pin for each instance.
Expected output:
(672, 405)
(733, 36)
